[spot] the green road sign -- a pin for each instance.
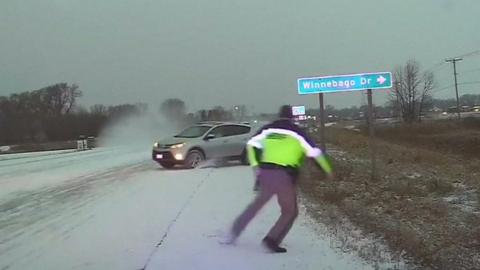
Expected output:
(341, 83)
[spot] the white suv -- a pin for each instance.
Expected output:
(205, 140)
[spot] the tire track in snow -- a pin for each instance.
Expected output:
(177, 217)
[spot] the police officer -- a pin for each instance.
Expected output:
(276, 153)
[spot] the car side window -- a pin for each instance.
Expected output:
(229, 130)
(234, 130)
(242, 130)
(219, 132)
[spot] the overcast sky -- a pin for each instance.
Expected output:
(219, 52)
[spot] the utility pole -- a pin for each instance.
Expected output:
(454, 62)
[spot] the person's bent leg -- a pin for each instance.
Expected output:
(293, 217)
(287, 199)
(249, 213)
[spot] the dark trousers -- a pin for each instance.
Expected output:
(272, 182)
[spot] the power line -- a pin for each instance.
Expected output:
(439, 68)
(441, 64)
(477, 52)
(436, 66)
(471, 70)
(454, 61)
(437, 90)
(468, 83)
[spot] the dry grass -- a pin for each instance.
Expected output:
(460, 138)
(406, 206)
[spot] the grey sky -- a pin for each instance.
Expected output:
(220, 52)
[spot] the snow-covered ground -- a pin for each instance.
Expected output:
(34, 154)
(115, 209)
(24, 172)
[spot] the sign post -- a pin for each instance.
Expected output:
(344, 83)
(322, 122)
(371, 135)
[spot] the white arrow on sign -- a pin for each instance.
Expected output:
(381, 79)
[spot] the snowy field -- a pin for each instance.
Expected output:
(112, 208)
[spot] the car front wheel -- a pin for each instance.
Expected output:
(194, 158)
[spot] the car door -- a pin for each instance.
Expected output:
(236, 139)
(215, 146)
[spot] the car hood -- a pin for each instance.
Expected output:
(172, 140)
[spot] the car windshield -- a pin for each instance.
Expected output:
(193, 132)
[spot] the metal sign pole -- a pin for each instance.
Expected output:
(371, 138)
(322, 122)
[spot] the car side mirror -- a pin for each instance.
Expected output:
(209, 137)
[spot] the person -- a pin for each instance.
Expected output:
(276, 153)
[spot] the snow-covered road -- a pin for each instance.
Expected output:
(115, 209)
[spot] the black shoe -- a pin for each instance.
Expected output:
(271, 245)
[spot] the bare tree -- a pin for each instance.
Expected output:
(99, 109)
(60, 98)
(428, 83)
(173, 109)
(218, 113)
(411, 90)
(202, 115)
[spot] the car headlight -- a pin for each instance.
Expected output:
(178, 145)
(156, 145)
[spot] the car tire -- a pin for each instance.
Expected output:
(166, 165)
(194, 158)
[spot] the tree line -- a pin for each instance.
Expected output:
(175, 109)
(392, 109)
(51, 114)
